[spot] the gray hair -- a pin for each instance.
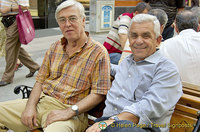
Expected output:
(196, 11)
(140, 7)
(70, 3)
(186, 20)
(160, 14)
(140, 18)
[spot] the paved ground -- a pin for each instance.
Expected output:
(37, 48)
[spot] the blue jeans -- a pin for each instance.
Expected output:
(114, 58)
(119, 126)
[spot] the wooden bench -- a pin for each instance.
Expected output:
(186, 117)
(191, 89)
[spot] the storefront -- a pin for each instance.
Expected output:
(43, 12)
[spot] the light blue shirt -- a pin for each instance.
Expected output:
(148, 89)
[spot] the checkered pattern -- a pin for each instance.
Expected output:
(70, 79)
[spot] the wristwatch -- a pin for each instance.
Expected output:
(75, 109)
(115, 117)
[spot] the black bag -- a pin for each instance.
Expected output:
(8, 20)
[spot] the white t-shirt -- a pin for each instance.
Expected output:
(184, 50)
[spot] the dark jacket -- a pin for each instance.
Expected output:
(169, 6)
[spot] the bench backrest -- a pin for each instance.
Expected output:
(186, 115)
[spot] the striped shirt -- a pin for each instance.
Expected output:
(70, 79)
(121, 25)
(8, 3)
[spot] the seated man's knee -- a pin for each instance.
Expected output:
(65, 126)
(58, 129)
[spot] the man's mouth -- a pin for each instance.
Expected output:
(68, 31)
(140, 47)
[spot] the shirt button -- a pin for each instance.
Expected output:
(123, 90)
(129, 76)
(117, 98)
(115, 108)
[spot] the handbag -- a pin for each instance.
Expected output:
(25, 26)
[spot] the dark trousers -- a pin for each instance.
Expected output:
(119, 126)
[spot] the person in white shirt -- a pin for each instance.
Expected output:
(184, 49)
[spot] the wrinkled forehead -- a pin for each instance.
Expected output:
(142, 26)
(140, 29)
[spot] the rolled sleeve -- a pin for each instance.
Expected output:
(124, 24)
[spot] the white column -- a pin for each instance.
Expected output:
(101, 15)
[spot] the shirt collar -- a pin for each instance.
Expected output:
(154, 58)
(64, 41)
(187, 31)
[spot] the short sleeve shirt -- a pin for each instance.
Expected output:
(70, 79)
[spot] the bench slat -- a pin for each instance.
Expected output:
(191, 86)
(190, 100)
(191, 92)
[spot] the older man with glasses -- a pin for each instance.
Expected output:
(74, 78)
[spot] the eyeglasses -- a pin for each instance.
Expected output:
(63, 20)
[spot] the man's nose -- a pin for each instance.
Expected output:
(139, 40)
(68, 23)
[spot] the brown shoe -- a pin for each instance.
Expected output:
(32, 73)
(3, 83)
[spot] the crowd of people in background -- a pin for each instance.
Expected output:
(192, 4)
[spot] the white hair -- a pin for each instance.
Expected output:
(70, 3)
(140, 18)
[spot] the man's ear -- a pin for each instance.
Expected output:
(136, 12)
(162, 28)
(159, 40)
(176, 29)
(83, 21)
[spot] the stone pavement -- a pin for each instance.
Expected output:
(37, 48)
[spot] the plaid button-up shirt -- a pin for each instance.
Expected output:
(70, 79)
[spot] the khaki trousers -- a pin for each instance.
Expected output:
(10, 115)
(13, 51)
